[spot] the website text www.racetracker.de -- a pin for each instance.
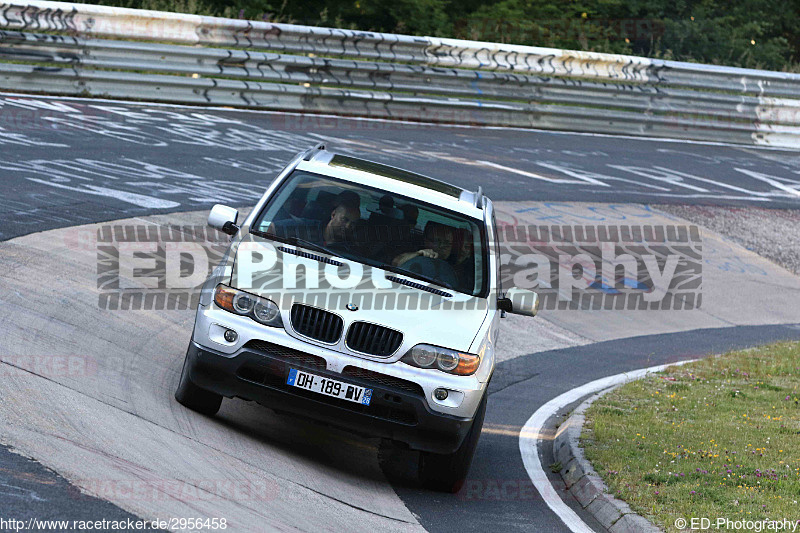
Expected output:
(172, 524)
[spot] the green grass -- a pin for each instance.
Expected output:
(715, 438)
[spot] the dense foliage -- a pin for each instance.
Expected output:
(746, 33)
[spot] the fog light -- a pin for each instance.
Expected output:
(231, 335)
(440, 394)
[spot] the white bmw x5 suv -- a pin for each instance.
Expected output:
(361, 295)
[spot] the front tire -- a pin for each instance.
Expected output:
(447, 472)
(190, 395)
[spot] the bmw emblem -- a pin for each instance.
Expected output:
(351, 307)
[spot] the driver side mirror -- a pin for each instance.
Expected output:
(224, 219)
(519, 302)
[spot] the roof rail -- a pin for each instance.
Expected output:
(311, 152)
(479, 198)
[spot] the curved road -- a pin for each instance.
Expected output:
(65, 162)
(73, 161)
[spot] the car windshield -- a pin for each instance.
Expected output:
(377, 228)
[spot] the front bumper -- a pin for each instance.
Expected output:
(258, 372)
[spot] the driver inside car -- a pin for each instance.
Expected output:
(437, 244)
(431, 259)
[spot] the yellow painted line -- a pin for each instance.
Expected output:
(516, 431)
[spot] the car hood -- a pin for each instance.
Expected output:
(358, 292)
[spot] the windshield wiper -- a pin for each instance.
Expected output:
(411, 274)
(296, 241)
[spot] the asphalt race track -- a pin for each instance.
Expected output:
(498, 493)
(70, 162)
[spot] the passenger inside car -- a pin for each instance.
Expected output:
(387, 213)
(344, 213)
(410, 215)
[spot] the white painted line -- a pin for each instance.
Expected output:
(141, 200)
(90, 100)
(687, 196)
(530, 438)
(772, 180)
(537, 176)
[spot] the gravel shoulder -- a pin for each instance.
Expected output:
(771, 233)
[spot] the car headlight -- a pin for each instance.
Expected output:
(446, 360)
(243, 303)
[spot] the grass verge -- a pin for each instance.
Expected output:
(715, 438)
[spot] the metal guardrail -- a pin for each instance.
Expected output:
(123, 53)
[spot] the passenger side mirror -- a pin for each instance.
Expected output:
(519, 302)
(224, 219)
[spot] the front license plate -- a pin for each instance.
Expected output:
(329, 387)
